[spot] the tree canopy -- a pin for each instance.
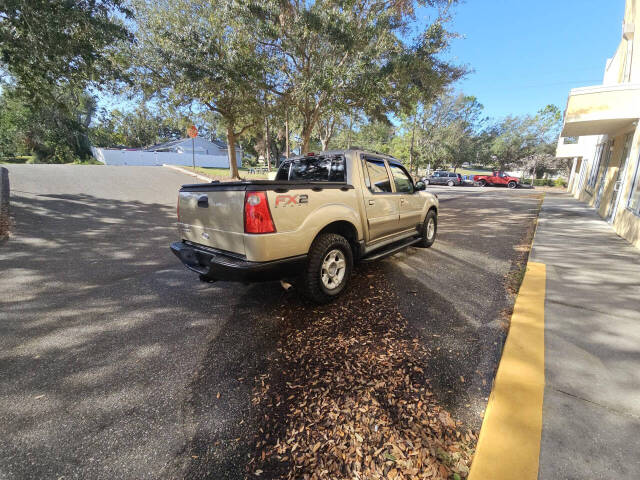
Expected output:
(50, 44)
(274, 76)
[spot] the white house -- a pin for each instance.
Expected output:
(176, 152)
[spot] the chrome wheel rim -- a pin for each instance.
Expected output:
(431, 228)
(334, 267)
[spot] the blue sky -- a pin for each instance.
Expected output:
(530, 54)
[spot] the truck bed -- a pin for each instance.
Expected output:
(212, 214)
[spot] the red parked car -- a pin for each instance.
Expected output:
(497, 178)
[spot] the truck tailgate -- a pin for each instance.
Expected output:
(213, 216)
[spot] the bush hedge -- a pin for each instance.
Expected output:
(547, 182)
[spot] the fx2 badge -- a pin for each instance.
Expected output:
(291, 200)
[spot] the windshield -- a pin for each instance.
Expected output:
(313, 169)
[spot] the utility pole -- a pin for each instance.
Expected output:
(286, 131)
(193, 153)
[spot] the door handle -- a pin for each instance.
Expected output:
(203, 201)
(372, 202)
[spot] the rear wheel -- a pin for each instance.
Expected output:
(429, 230)
(483, 182)
(329, 267)
(450, 183)
(426, 181)
(512, 184)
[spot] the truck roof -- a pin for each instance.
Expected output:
(343, 151)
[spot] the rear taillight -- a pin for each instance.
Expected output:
(257, 216)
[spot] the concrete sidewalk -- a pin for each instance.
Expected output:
(591, 410)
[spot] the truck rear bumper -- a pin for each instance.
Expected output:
(213, 265)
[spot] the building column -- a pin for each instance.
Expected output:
(572, 175)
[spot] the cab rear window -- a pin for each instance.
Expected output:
(313, 169)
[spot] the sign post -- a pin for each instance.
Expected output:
(192, 131)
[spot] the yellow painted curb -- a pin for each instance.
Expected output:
(509, 443)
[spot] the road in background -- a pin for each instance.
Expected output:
(112, 354)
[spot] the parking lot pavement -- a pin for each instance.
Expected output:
(459, 294)
(115, 362)
(98, 334)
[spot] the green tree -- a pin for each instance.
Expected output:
(139, 128)
(445, 131)
(519, 137)
(46, 45)
(196, 52)
(55, 132)
(337, 56)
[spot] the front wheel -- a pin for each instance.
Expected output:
(512, 184)
(429, 230)
(426, 181)
(450, 183)
(483, 182)
(329, 267)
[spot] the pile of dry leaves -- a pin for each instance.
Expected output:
(347, 397)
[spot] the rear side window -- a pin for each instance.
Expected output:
(403, 182)
(313, 169)
(379, 181)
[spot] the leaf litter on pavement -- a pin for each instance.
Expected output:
(347, 396)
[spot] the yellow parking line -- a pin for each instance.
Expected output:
(509, 443)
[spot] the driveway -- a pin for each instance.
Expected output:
(115, 362)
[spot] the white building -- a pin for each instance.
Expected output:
(601, 133)
(176, 152)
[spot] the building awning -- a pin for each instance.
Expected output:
(600, 110)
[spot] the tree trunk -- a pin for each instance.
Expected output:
(286, 132)
(306, 139)
(413, 136)
(309, 121)
(231, 149)
(350, 130)
(267, 143)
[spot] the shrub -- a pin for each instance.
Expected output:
(561, 182)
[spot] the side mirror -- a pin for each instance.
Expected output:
(420, 186)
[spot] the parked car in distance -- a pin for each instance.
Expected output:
(322, 213)
(497, 178)
(443, 178)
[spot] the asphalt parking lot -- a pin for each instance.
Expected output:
(115, 362)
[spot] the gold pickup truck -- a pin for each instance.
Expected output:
(322, 213)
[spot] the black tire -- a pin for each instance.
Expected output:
(450, 183)
(483, 182)
(311, 282)
(512, 184)
(425, 240)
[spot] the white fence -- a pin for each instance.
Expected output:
(140, 157)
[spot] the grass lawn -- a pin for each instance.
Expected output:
(17, 159)
(222, 174)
